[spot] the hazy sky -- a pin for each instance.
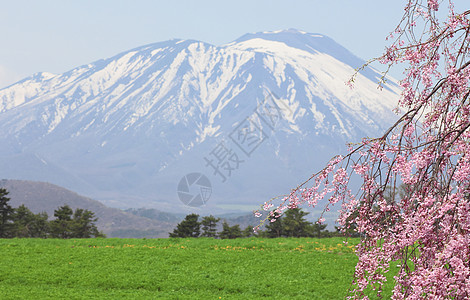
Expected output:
(58, 35)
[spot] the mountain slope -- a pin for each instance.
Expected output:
(46, 197)
(124, 130)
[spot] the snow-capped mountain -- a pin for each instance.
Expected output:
(256, 116)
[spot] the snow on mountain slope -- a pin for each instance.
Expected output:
(125, 129)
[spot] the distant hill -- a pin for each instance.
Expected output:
(42, 196)
(155, 214)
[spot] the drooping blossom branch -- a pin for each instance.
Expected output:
(413, 205)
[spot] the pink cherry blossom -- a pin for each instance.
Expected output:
(414, 202)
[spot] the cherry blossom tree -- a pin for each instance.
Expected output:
(426, 228)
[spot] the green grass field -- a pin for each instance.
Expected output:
(253, 268)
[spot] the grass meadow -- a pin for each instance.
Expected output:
(202, 268)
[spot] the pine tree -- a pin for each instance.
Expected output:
(6, 215)
(39, 228)
(83, 224)
(274, 229)
(248, 231)
(230, 232)
(209, 226)
(28, 224)
(189, 227)
(22, 218)
(61, 227)
(317, 229)
(294, 223)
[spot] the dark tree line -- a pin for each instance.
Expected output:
(291, 224)
(191, 227)
(21, 222)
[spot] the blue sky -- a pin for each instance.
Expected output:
(58, 35)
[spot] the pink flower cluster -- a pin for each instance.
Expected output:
(414, 202)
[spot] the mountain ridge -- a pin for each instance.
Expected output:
(125, 129)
